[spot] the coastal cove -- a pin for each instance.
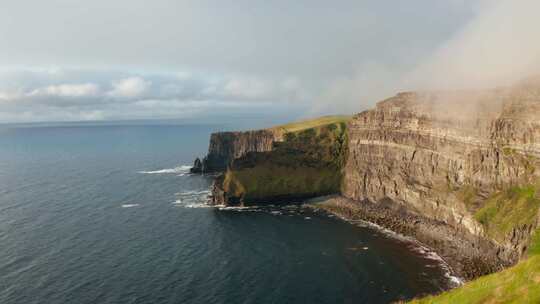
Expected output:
(456, 171)
(130, 224)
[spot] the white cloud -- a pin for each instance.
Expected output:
(67, 90)
(61, 90)
(89, 94)
(497, 48)
(44, 114)
(246, 87)
(130, 87)
(90, 115)
(10, 95)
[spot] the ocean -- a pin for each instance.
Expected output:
(108, 213)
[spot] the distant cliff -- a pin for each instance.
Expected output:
(293, 161)
(306, 163)
(226, 146)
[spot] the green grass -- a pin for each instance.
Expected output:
(507, 151)
(307, 163)
(518, 284)
(534, 246)
(467, 194)
(312, 123)
(504, 211)
(269, 181)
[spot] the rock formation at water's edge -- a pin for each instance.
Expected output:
(459, 171)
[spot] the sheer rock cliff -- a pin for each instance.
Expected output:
(227, 146)
(442, 155)
(458, 171)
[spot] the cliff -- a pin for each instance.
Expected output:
(444, 154)
(458, 171)
(227, 146)
(466, 160)
(307, 163)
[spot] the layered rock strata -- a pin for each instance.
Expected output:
(442, 167)
(226, 146)
(425, 151)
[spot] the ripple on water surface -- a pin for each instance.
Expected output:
(117, 218)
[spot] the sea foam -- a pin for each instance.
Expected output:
(176, 170)
(129, 205)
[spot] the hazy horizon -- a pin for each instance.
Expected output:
(126, 60)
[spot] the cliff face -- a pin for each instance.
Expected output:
(305, 164)
(442, 155)
(458, 171)
(227, 146)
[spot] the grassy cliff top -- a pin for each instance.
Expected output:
(311, 123)
(501, 213)
(306, 163)
(518, 284)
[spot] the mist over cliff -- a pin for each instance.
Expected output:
(497, 48)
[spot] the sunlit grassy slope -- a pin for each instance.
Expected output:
(307, 163)
(312, 123)
(519, 284)
(509, 209)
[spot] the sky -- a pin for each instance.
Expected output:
(74, 60)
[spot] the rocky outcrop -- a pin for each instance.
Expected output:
(305, 164)
(227, 146)
(425, 151)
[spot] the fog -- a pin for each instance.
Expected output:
(497, 48)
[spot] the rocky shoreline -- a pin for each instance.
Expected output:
(456, 171)
(467, 255)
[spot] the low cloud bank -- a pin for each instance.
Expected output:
(67, 95)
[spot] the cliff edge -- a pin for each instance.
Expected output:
(226, 146)
(458, 171)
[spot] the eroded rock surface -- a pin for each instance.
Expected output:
(226, 146)
(423, 151)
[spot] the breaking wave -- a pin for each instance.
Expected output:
(129, 205)
(181, 170)
(414, 246)
(192, 199)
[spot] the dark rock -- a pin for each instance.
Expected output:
(197, 166)
(228, 146)
(421, 150)
(469, 256)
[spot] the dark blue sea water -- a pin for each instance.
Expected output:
(108, 214)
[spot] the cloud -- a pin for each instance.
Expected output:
(37, 95)
(497, 48)
(130, 87)
(10, 95)
(261, 38)
(250, 88)
(67, 90)
(339, 56)
(370, 83)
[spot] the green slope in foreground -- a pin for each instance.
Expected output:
(518, 284)
(500, 214)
